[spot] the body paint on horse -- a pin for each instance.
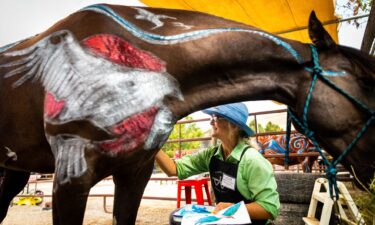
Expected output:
(7, 155)
(122, 52)
(74, 75)
(52, 106)
(182, 25)
(151, 17)
(148, 127)
(11, 45)
(127, 103)
(144, 14)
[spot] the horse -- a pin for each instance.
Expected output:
(275, 144)
(98, 93)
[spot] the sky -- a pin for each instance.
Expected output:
(20, 19)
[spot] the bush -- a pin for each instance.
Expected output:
(366, 203)
(170, 153)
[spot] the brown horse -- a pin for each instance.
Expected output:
(98, 93)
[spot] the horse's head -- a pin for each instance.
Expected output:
(354, 62)
(337, 105)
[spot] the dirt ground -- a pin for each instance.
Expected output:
(151, 212)
(155, 212)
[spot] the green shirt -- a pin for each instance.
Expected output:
(255, 178)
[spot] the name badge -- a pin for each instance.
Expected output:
(228, 182)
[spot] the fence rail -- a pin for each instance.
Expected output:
(256, 135)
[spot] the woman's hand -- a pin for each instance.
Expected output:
(220, 206)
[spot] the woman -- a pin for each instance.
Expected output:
(238, 172)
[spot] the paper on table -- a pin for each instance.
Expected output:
(192, 209)
(235, 214)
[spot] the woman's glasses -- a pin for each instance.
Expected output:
(214, 119)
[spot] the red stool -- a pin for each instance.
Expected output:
(197, 185)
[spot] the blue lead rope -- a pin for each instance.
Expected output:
(331, 171)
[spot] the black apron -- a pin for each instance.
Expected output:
(223, 180)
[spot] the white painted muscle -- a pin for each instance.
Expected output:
(92, 87)
(151, 17)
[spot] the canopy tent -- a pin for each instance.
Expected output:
(275, 16)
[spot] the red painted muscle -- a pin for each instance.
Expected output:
(52, 107)
(122, 52)
(133, 131)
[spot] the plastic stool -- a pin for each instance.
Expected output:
(197, 184)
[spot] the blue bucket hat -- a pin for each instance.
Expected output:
(236, 113)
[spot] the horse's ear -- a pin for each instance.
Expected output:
(318, 35)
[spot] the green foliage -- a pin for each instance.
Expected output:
(351, 8)
(170, 153)
(188, 130)
(270, 127)
(355, 7)
(359, 5)
(366, 203)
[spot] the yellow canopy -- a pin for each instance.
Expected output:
(275, 16)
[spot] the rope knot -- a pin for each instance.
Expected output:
(317, 70)
(331, 172)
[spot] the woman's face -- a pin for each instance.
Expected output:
(220, 127)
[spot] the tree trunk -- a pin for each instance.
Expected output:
(369, 35)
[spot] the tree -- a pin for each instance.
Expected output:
(359, 5)
(369, 36)
(350, 8)
(187, 131)
(270, 127)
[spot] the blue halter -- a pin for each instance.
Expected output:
(316, 72)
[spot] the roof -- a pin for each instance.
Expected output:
(275, 16)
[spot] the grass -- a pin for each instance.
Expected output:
(366, 202)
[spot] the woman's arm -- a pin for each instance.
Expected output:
(186, 166)
(166, 164)
(257, 212)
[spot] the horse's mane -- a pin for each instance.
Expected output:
(365, 64)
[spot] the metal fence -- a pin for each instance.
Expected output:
(255, 116)
(180, 140)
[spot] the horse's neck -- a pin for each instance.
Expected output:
(245, 68)
(214, 60)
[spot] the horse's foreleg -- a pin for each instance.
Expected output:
(69, 201)
(73, 181)
(307, 164)
(129, 189)
(11, 183)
